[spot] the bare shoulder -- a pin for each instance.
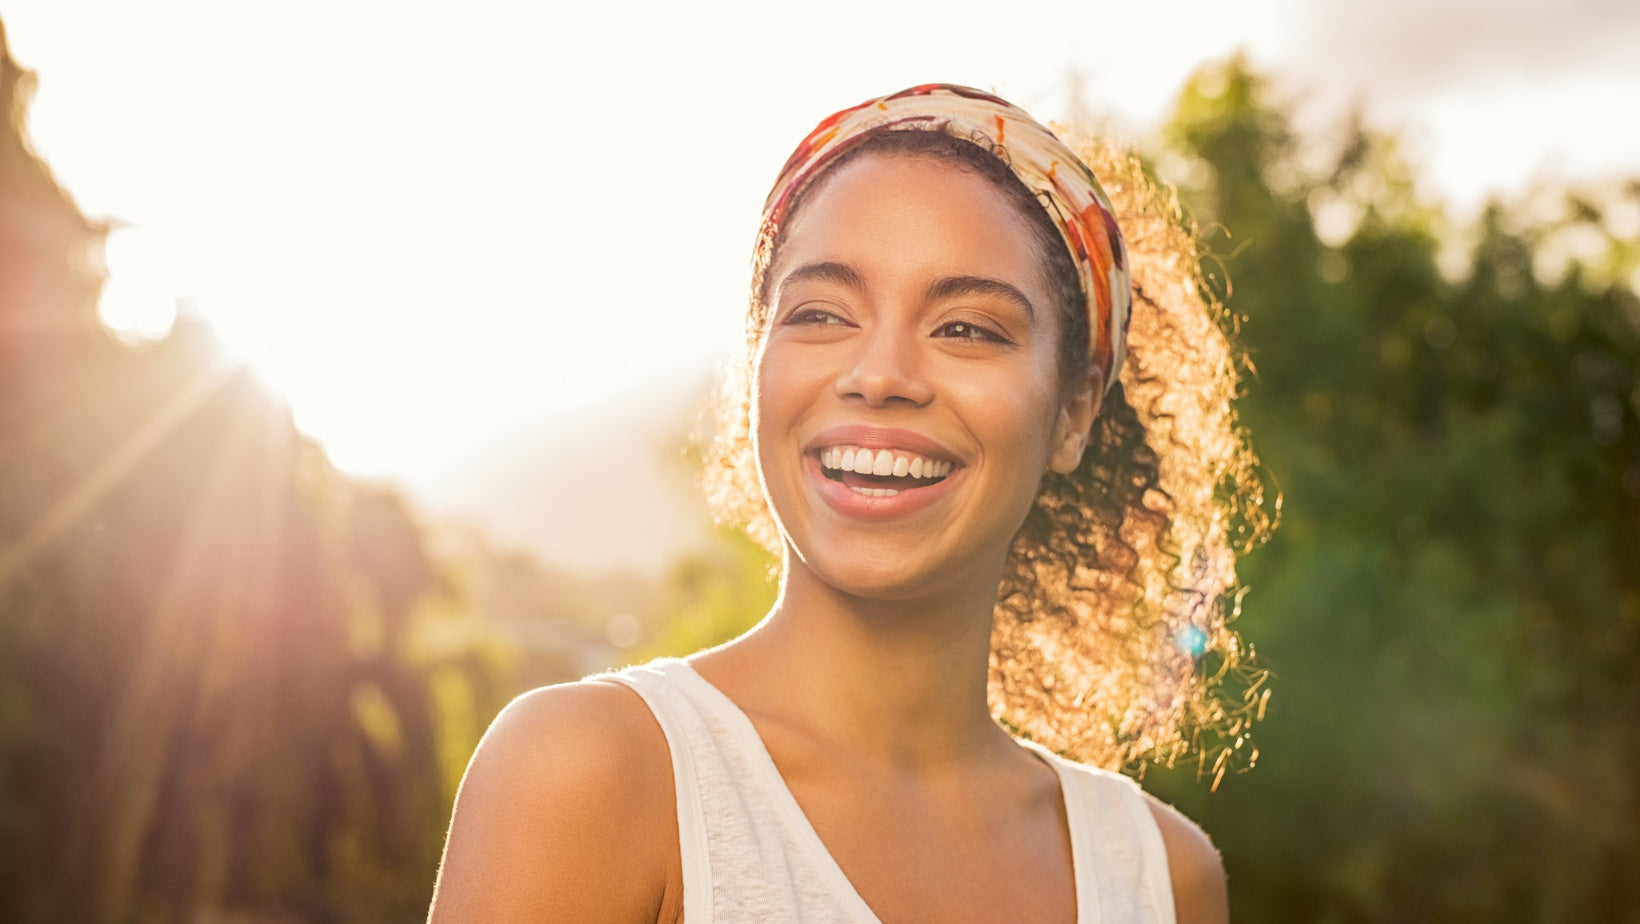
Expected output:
(1199, 895)
(575, 739)
(566, 812)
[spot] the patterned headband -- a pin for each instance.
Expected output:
(1061, 182)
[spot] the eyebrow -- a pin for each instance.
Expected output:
(946, 288)
(959, 286)
(840, 273)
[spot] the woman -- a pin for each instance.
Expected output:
(940, 303)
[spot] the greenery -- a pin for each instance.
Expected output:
(238, 685)
(1451, 608)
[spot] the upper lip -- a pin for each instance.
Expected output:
(867, 437)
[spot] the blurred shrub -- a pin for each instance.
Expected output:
(1451, 609)
(215, 697)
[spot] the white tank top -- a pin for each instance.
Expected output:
(750, 856)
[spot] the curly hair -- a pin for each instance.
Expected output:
(1111, 639)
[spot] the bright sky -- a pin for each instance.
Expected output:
(431, 224)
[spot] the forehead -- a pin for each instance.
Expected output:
(906, 211)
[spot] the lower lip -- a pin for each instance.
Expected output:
(845, 500)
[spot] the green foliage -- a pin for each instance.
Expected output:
(713, 596)
(1451, 609)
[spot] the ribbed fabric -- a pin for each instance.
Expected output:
(750, 856)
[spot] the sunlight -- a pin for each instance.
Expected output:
(139, 301)
(114, 467)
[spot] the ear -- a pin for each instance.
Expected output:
(1070, 437)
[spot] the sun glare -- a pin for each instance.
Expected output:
(139, 301)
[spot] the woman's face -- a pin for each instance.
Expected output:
(907, 398)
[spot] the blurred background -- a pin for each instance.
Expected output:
(351, 358)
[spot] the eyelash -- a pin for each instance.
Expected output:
(813, 316)
(974, 332)
(971, 332)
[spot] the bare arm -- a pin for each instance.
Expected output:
(566, 813)
(1199, 893)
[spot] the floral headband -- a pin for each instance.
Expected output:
(1061, 182)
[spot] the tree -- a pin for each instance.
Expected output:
(1451, 609)
(213, 694)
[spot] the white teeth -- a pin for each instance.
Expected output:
(875, 492)
(881, 462)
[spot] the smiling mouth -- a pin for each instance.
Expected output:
(881, 472)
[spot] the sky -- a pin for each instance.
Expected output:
(432, 225)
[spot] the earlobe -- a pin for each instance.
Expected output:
(1071, 432)
(1067, 453)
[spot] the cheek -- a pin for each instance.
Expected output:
(1032, 441)
(760, 384)
(759, 417)
(785, 378)
(1019, 412)
(1035, 423)
(766, 392)
(775, 401)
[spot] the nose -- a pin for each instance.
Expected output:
(885, 369)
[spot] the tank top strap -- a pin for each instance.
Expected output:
(749, 853)
(674, 717)
(1122, 872)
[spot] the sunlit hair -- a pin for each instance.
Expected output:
(1111, 640)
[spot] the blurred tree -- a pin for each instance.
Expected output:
(1451, 609)
(712, 595)
(213, 691)
(551, 625)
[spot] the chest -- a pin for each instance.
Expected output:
(912, 857)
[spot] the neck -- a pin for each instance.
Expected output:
(900, 681)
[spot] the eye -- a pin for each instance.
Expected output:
(967, 330)
(808, 314)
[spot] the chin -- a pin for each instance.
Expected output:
(893, 577)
